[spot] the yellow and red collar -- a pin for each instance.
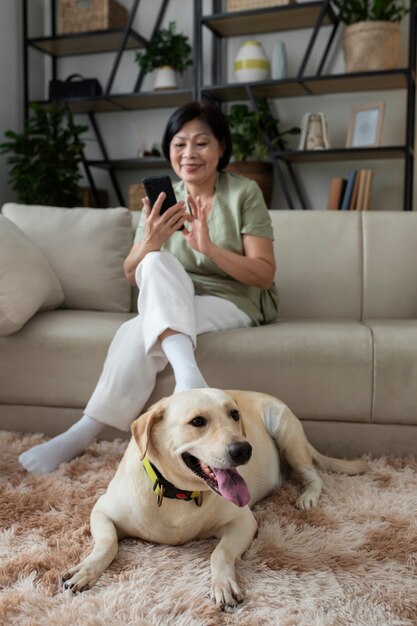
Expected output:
(164, 489)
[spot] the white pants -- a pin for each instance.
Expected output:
(166, 300)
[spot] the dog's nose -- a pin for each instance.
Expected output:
(240, 452)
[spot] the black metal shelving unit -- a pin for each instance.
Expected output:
(312, 16)
(116, 40)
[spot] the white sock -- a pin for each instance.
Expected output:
(179, 350)
(47, 457)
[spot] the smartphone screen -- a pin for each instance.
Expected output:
(154, 185)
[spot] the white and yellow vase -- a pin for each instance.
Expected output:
(251, 63)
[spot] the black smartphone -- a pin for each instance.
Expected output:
(154, 185)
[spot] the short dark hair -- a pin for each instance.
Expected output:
(212, 116)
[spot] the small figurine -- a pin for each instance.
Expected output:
(314, 132)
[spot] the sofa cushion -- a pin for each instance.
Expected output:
(57, 357)
(390, 265)
(395, 371)
(321, 369)
(85, 248)
(27, 282)
(319, 268)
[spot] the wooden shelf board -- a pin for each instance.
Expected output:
(343, 154)
(311, 85)
(131, 164)
(273, 19)
(87, 43)
(129, 101)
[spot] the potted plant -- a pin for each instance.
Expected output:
(168, 52)
(371, 40)
(45, 158)
(250, 149)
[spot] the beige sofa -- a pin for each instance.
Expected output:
(342, 355)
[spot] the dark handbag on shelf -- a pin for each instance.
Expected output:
(75, 86)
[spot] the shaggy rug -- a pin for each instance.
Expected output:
(352, 561)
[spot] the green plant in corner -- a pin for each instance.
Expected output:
(45, 157)
(353, 11)
(248, 130)
(166, 48)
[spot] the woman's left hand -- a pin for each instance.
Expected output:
(198, 237)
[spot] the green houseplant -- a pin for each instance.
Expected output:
(45, 157)
(167, 49)
(353, 11)
(250, 149)
(371, 40)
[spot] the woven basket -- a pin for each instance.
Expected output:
(136, 193)
(371, 46)
(247, 5)
(75, 16)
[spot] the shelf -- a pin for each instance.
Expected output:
(343, 154)
(288, 17)
(312, 85)
(91, 42)
(131, 164)
(128, 101)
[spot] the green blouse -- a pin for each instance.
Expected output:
(238, 209)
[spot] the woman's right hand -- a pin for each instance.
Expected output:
(159, 228)
(156, 231)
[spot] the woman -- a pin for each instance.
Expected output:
(216, 273)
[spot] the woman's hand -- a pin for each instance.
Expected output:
(157, 230)
(256, 266)
(198, 237)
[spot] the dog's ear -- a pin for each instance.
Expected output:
(142, 426)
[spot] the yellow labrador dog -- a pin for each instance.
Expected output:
(178, 479)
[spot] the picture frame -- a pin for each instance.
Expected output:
(365, 125)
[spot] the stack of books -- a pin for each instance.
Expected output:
(352, 193)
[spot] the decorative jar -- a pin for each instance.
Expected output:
(251, 63)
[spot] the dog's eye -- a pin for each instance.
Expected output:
(235, 415)
(198, 421)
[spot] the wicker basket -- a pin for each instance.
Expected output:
(247, 5)
(371, 46)
(75, 16)
(136, 193)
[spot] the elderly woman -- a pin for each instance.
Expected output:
(214, 274)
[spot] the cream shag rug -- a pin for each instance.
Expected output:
(352, 561)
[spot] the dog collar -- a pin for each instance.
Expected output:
(164, 489)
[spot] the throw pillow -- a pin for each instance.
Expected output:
(85, 248)
(27, 282)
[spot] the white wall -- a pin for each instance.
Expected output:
(11, 111)
(126, 133)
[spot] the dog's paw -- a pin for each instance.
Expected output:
(80, 578)
(226, 594)
(307, 501)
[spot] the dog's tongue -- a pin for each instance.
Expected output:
(232, 486)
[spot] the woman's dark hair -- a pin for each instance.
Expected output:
(209, 114)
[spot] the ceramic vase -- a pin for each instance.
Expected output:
(279, 61)
(251, 63)
(165, 78)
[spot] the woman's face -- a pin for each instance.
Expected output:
(194, 153)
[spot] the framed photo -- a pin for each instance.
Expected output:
(365, 125)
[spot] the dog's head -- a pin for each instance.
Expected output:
(197, 438)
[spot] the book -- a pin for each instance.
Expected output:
(347, 196)
(367, 190)
(336, 191)
(361, 190)
(354, 196)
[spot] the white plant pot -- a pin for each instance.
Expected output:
(251, 63)
(165, 78)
